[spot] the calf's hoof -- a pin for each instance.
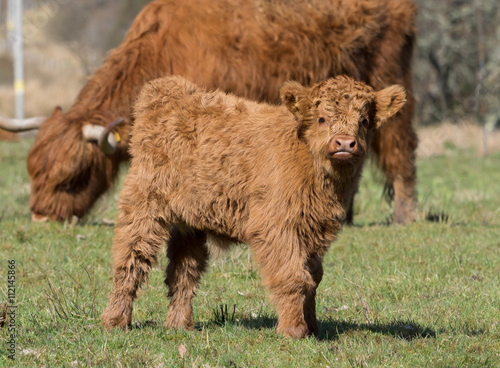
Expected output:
(117, 314)
(313, 329)
(109, 321)
(295, 332)
(179, 320)
(178, 326)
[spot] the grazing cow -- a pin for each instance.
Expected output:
(249, 48)
(219, 168)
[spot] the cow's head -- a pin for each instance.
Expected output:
(339, 116)
(70, 165)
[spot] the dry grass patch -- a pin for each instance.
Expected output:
(466, 135)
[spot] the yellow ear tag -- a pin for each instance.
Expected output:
(117, 136)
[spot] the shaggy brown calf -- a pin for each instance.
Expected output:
(247, 47)
(211, 167)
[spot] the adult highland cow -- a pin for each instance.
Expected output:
(246, 47)
(218, 168)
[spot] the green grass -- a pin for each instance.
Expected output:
(427, 294)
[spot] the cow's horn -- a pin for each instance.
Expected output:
(20, 125)
(97, 133)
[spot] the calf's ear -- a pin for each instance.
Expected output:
(389, 101)
(295, 97)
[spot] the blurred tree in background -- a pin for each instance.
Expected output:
(447, 64)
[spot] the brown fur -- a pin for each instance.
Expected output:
(7, 136)
(216, 166)
(247, 47)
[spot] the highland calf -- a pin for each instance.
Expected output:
(211, 167)
(246, 47)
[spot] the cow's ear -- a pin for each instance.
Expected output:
(389, 101)
(57, 111)
(295, 97)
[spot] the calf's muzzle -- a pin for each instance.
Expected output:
(342, 146)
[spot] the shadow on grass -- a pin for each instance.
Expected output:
(329, 330)
(432, 216)
(332, 329)
(407, 330)
(385, 223)
(437, 216)
(150, 324)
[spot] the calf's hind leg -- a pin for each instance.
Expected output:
(188, 257)
(315, 268)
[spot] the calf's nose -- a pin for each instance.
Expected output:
(344, 143)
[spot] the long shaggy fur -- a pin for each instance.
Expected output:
(210, 165)
(249, 48)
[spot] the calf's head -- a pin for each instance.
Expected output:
(338, 118)
(70, 165)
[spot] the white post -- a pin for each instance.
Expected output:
(15, 27)
(481, 73)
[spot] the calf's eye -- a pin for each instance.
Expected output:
(364, 122)
(321, 120)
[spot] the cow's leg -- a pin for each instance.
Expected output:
(284, 270)
(396, 140)
(136, 245)
(315, 268)
(395, 146)
(405, 200)
(188, 257)
(349, 215)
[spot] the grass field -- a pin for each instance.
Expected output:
(427, 294)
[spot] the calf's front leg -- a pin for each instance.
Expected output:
(315, 268)
(137, 241)
(293, 288)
